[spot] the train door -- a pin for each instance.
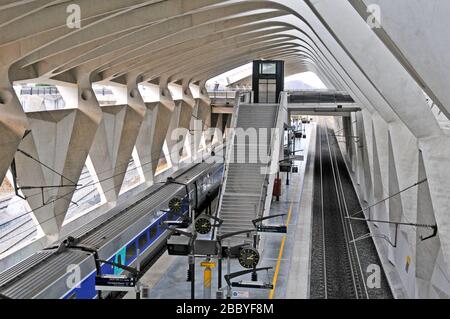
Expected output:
(119, 259)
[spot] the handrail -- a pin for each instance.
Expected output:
(264, 190)
(228, 152)
(259, 210)
(320, 97)
(228, 95)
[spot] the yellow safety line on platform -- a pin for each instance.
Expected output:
(280, 255)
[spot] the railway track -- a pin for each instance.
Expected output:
(336, 267)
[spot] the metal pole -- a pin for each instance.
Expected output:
(138, 268)
(192, 258)
(294, 148)
(207, 276)
(192, 270)
(278, 181)
(219, 273)
(229, 272)
(255, 274)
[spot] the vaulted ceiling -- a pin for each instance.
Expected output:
(385, 53)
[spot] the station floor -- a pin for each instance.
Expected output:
(288, 255)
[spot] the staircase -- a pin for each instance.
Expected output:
(244, 192)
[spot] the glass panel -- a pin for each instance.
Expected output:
(262, 91)
(153, 231)
(143, 241)
(130, 253)
(268, 68)
(271, 93)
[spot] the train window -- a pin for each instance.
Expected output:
(153, 231)
(143, 241)
(130, 252)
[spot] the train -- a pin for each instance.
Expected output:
(68, 269)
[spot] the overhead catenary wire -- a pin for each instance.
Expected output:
(48, 219)
(115, 167)
(389, 197)
(45, 220)
(19, 241)
(45, 165)
(110, 169)
(91, 183)
(80, 188)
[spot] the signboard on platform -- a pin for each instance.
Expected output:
(114, 283)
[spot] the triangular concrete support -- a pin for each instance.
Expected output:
(13, 122)
(114, 142)
(180, 124)
(153, 131)
(61, 140)
(426, 251)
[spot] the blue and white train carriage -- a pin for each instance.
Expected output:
(116, 236)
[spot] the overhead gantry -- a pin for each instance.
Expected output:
(386, 69)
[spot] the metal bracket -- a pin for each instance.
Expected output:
(220, 238)
(356, 138)
(17, 188)
(181, 232)
(397, 225)
(435, 229)
(183, 216)
(131, 270)
(282, 229)
(252, 285)
(218, 221)
(370, 235)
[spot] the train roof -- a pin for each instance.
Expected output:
(102, 229)
(31, 276)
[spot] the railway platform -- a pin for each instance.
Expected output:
(288, 255)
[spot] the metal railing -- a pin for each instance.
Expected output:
(319, 97)
(273, 143)
(39, 90)
(261, 203)
(228, 153)
(228, 97)
(53, 90)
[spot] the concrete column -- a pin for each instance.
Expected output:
(202, 120)
(112, 149)
(153, 132)
(426, 251)
(347, 131)
(49, 142)
(13, 122)
(60, 139)
(180, 124)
